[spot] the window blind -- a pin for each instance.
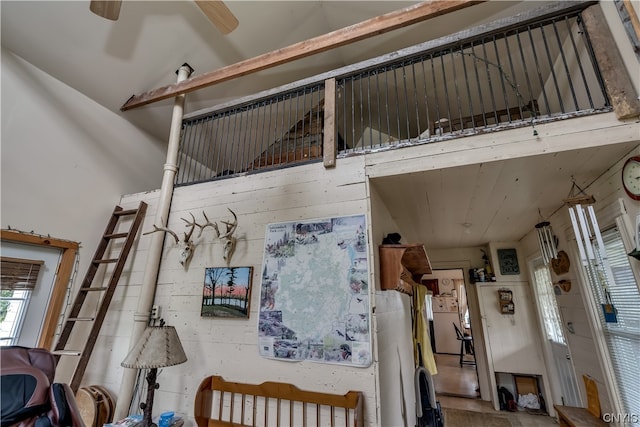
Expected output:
(19, 274)
(622, 337)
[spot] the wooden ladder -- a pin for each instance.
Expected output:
(110, 234)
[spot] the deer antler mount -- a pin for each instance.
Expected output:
(185, 245)
(229, 241)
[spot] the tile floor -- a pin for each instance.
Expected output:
(455, 388)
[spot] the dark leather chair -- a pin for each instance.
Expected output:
(466, 346)
(29, 397)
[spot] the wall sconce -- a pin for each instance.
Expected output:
(158, 347)
(547, 241)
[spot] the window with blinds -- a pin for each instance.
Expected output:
(18, 278)
(622, 337)
(547, 302)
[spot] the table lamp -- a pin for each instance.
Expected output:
(158, 347)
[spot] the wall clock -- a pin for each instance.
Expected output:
(631, 177)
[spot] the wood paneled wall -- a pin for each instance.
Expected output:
(228, 347)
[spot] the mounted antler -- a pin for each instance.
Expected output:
(208, 224)
(156, 228)
(229, 240)
(227, 237)
(186, 245)
(192, 224)
(231, 226)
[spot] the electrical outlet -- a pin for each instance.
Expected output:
(155, 312)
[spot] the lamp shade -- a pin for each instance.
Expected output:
(158, 347)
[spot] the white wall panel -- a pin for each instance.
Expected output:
(228, 347)
(66, 160)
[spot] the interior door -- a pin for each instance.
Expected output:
(565, 374)
(555, 342)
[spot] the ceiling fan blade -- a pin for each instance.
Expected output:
(219, 14)
(109, 9)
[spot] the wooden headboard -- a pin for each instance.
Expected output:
(219, 403)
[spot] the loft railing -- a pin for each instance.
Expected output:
(516, 72)
(278, 130)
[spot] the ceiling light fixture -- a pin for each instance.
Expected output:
(467, 227)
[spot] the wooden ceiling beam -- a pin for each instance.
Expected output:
(363, 30)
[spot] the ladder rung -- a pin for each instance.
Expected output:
(111, 232)
(103, 288)
(116, 235)
(105, 261)
(126, 212)
(67, 352)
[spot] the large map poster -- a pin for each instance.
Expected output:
(314, 296)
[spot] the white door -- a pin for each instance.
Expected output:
(565, 374)
(555, 342)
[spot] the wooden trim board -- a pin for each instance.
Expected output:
(65, 268)
(363, 30)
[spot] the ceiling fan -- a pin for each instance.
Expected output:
(217, 12)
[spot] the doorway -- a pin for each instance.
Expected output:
(563, 377)
(452, 334)
(61, 256)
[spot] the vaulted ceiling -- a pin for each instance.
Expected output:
(109, 61)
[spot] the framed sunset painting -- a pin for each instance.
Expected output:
(226, 292)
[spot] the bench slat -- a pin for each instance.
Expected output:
(214, 389)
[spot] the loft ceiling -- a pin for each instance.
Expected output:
(472, 205)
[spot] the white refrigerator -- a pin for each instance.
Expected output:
(445, 315)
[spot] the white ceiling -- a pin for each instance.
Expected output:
(472, 205)
(111, 61)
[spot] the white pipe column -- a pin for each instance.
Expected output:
(149, 280)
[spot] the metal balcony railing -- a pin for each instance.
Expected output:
(280, 130)
(496, 77)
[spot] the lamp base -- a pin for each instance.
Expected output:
(147, 407)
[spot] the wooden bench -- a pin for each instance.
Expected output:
(572, 416)
(219, 403)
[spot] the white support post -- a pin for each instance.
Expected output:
(149, 281)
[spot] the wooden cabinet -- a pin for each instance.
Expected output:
(402, 266)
